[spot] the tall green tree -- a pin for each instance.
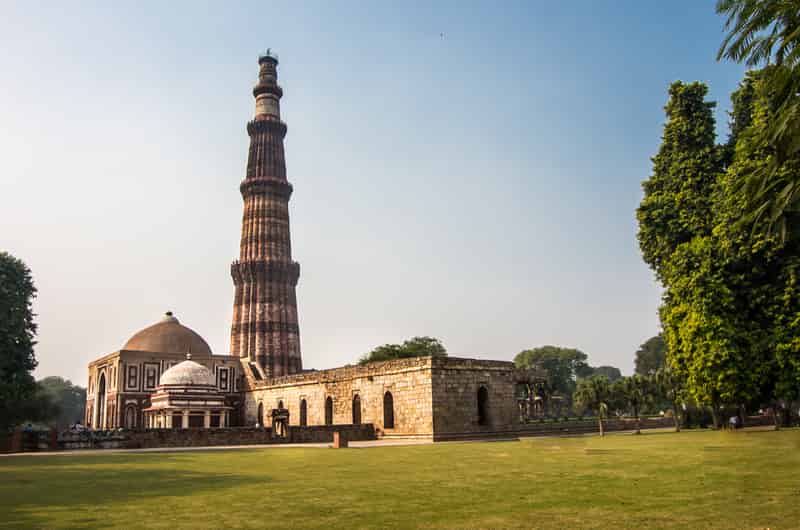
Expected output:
(767, 32)
(563, 365)
(17, 333)
(651, 355)
(414, 347)
(676, 219)
(594, 393)
(763, 266)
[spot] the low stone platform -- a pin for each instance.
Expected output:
(232, 436)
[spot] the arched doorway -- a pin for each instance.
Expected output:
(303, 413)
(260, 419)
(356, 410)
(329, 411)
(100, 411)
(130, 417)
(483, 406)
(388, 411)
(280, 404)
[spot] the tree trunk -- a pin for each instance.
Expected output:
(638, 422)
(775, 418)
(601, 426)
(676, 417)
(714, 417)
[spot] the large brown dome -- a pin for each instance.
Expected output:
(168, 336)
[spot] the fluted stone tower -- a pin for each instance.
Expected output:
(265, 329)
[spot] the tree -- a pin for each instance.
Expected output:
(414, 347)
(767, 32)
(563, 365)
(651, 355)
(17, 332)
(594, 393)
(676, 219)
(670, 387)
(612, 373)
(636, 390)
(69, 400)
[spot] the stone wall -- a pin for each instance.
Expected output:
(561, 428)
(457, 388)
(407, 380)
(152, 438)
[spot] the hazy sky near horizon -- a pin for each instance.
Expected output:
(468, 171)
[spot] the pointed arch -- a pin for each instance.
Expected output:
(356, 410)
(483, 406)
(388, 411)
(100, 411)
(303, 413)
(329, 411)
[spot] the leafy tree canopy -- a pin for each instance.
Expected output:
(677, 196)
(651, 355)
(564, 365)
(69, 400)
(414, 347)
(612, 373)
(767, 32)
(17, 332)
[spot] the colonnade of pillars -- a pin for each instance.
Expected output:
(164, 419)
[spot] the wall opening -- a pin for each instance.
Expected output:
(483, 406)
(260, 418)
(100, 415)
(329, 411)
(356, 410)
(280, 404)
(130, 417)
(303, 413)
(388, 411)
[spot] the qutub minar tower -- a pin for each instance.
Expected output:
(265, 329)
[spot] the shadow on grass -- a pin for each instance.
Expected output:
(81, 492)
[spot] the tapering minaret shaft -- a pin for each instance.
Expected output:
(265, 328)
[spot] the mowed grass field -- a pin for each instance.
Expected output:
(700, 479)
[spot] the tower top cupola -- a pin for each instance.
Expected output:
(267, 91)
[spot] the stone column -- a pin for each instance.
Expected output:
(207, 420)
(185, 420)
(167, 420)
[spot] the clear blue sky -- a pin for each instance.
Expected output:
(465, 170)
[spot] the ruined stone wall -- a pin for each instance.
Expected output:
(408, 381)
(456, 384)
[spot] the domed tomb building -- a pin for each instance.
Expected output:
(121, 384)
(187, 396)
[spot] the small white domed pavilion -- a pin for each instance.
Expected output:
(187, 397)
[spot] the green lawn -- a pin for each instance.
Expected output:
(688, 480)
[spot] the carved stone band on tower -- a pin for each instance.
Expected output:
(265, 328)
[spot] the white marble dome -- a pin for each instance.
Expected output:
(187, 373)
